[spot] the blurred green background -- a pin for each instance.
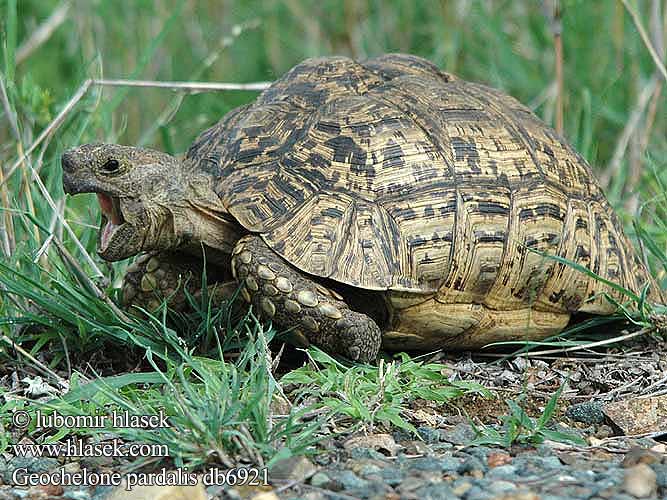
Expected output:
(613, 105)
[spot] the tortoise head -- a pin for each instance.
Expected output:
(149, 200)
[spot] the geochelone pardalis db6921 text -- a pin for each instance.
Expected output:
(371, 203)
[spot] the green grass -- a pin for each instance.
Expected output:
(372, 396)
(52, 308)
(519, 428)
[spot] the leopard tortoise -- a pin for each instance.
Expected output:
(371, 203)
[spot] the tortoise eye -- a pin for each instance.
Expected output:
(111, 166)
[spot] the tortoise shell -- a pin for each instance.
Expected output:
(389, 174)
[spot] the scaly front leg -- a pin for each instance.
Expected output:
(292, 299)
(153, 278)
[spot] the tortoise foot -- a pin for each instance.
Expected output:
(153, 278)
(293, 300)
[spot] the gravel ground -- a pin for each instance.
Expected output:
(444, 469)
(439, 467)
(441, 464)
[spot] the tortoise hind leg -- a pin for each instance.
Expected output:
(292, 299)
(433, 325)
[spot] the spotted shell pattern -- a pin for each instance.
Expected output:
(389, 174)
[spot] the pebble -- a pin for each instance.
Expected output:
(429, 435)
(446, 471)
(460, 434)
(435, 491)
(501, 487)
(640, 481)
(660, 474)
(589, 413)
(293, 469)
(320, 479)
(365, 453)
(348, 480)
(473, 466)
(502, 472)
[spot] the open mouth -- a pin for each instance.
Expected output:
(112, 218)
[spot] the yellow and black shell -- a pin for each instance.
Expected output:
(389, 174)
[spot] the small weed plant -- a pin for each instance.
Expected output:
(375, 395)
(519, 428)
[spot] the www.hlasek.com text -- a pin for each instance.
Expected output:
(73, 447)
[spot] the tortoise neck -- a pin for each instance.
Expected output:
(201, 217)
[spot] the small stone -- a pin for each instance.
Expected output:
(502, 487)
(459, 434)
(52, 490)
(472, 466)
(433, 464)
(480, 452)
(160, 493)
(496, 459)
(293, 469)
(639, 415)
(461, 487)
(369, 470)
(437, 490)
(363, 453)
(415, 447)
(392, 476)
(502, 472)
(380, 442)
(428, 434)
(478, 493)
(640, 481)
(311, 495)
(576, 491)
(349, 480)
(83, 494)
(638, 455)
(320, 479)
(526, 495)
(660, 474)
(265, 495)
(589, 413)
(410, 483)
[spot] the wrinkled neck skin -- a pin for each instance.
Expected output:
(199, 218)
